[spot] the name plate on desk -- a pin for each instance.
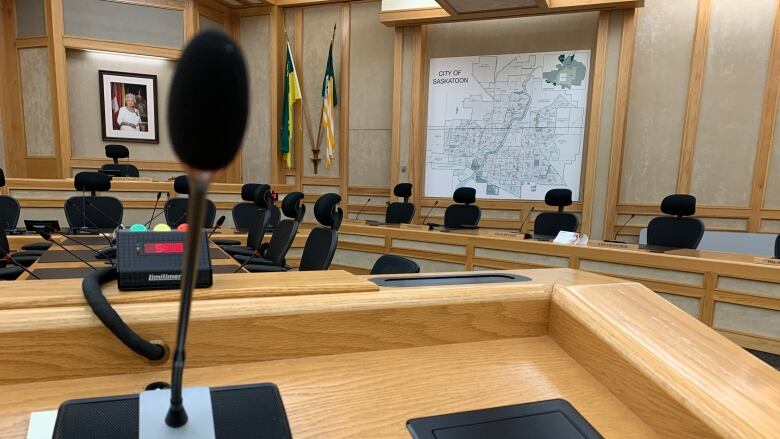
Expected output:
(354, 222)
(415, 227)
(767, 261)
(616, 245)
(503, 234)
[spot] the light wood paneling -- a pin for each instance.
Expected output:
(10, 95)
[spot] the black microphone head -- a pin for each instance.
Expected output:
(208, 103)
(221, 221)
(159, 194)
(44, 235)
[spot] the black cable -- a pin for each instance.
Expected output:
(106, 313)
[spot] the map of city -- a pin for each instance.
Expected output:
(511, 126)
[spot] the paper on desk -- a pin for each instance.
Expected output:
(41, 425)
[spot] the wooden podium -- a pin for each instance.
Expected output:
(362, 363)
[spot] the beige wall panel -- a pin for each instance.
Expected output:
(759, 321)
(773, 179)
(724, 223)
(84, 100)
(361, 239)
(657, 274)
(375, 199)
(429, 247)
(256, 157)
(406, 109)
(36, 99)
(748, 287)
(659, 91)
(205, 23)
(30, 18)
(605, 130)
(371, 89)
(317, 29)
(352, 258)
(124, 22)
(526, 258)
(42, 213)
(513, 35)
(770, 226)
(732, 97)
(687, 304)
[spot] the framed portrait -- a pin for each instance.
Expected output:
(128, 107)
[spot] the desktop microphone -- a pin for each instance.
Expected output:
(255, 254)
(47, 237)
(8, 258)
(211, 69)
(362, 207)
(83, 213)
(218, 225)
(102, 213)
(98, 253)
(429, 212)
(154, 209)
(620, 229)
(527, 217)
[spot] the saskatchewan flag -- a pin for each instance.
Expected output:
(292, 93)
(329, 101)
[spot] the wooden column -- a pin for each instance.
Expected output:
(346, 18)
(419, 113)
(594, 124)
(398, 71)
(58, 72)
(10, 94)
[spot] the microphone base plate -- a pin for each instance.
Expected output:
(240, 412)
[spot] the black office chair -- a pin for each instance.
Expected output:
(244, 213)
(777, 247)
(9, 208)
(117, 152)
(391, 264)
(321, 244)
(274, 253)
(256, 232)
(465, 214)
(176, 208)
(93, 212)
(25, 258)
(549, 224)
(400, 213)
(679, 229)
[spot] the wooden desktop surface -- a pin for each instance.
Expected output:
(362, 364)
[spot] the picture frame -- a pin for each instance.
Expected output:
(128, 107)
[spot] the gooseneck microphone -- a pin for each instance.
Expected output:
(429, 212)
(211, 69)
(525, 220)
(217, 226)
(255, 254)
(47, 237)
(620, 229)
(83, 211)
(362, 207)
(154, 209)
(8, 258)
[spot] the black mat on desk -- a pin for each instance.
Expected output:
(93, 241)
(553, 419)
(58, 255)
(79, 272)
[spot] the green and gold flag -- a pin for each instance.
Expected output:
(292, 93)
(329, 101)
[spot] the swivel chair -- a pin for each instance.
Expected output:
(679, 229)
(549, 224)
(400, 213)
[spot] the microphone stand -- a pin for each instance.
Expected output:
(8, 258)
(48, 237)
(431, 226)
(97, 252)
(154, 209)
(199, 183)
(522, 225)
(361, 208)
(620, 229)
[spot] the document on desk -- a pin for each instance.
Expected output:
(41, 425)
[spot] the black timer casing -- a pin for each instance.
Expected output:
(139, 269)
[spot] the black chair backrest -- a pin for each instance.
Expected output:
(465, 213)
(9, 208)
(777, 247)
(285, 231)
(391, 264)
(117, 152)
(401, 213)
(255, 236)
(176, 212)
(244, 213)
(98, 212)
(124, 170)
(4, 245)
(92, 182)
(552, 223)
(321, 245)
(679, 229)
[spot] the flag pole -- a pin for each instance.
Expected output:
(322, 107)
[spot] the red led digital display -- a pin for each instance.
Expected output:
(163, 248)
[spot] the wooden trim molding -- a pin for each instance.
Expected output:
(85, 43)
(11, 95)
(594, 123)
(695, 87)
(346, 23)
(395, 141)
(58, 71)
(142, 165)
(628, 41)
(31, 42)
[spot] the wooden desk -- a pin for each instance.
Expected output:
(725, 291)
(362, 364)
